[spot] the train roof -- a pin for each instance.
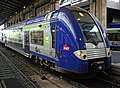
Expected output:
(43, 17)
(15, 25)
(75, 8)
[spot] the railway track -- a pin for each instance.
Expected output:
(40, 76)
(115, 71)
(111, 78)
(111, 84)
(10, 73)
(36, 73)
(45, 78)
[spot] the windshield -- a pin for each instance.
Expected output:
(89, 29)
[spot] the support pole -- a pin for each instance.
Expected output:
(99, 9)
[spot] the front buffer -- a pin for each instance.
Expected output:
(72, 64)
(78, 63)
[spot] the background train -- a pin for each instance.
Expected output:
(113, 33)
(69, 40)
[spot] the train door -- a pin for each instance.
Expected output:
(26, 41)
(53, 42)
(49, 41)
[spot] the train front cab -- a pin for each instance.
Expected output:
(81, 42)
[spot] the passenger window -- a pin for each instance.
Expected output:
(37, 37)
(27, 37)
(53, 29)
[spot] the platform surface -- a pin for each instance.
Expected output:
(116, 58)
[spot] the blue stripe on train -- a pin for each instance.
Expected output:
(115, 47)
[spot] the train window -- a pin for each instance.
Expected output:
(37, 37)
(110, 36)
(83, 17)
(53, 31)
(114, 36)
(27, 37)
(118, 37)
(90, 30)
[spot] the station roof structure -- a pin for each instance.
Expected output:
(9, 7)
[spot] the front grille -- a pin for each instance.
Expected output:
(96, 53)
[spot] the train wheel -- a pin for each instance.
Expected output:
(33, 58)
(36, 60)
(41, 61)
(46, 63)
(52, 66)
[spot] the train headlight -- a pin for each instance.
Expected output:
(81, 54)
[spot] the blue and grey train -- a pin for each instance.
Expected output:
(113, 34)
(68, 40)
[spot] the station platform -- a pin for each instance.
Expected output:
(116, 64)
(10, 77)
(115, 58)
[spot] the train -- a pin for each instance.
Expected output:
(113, 33)
(68, 40)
